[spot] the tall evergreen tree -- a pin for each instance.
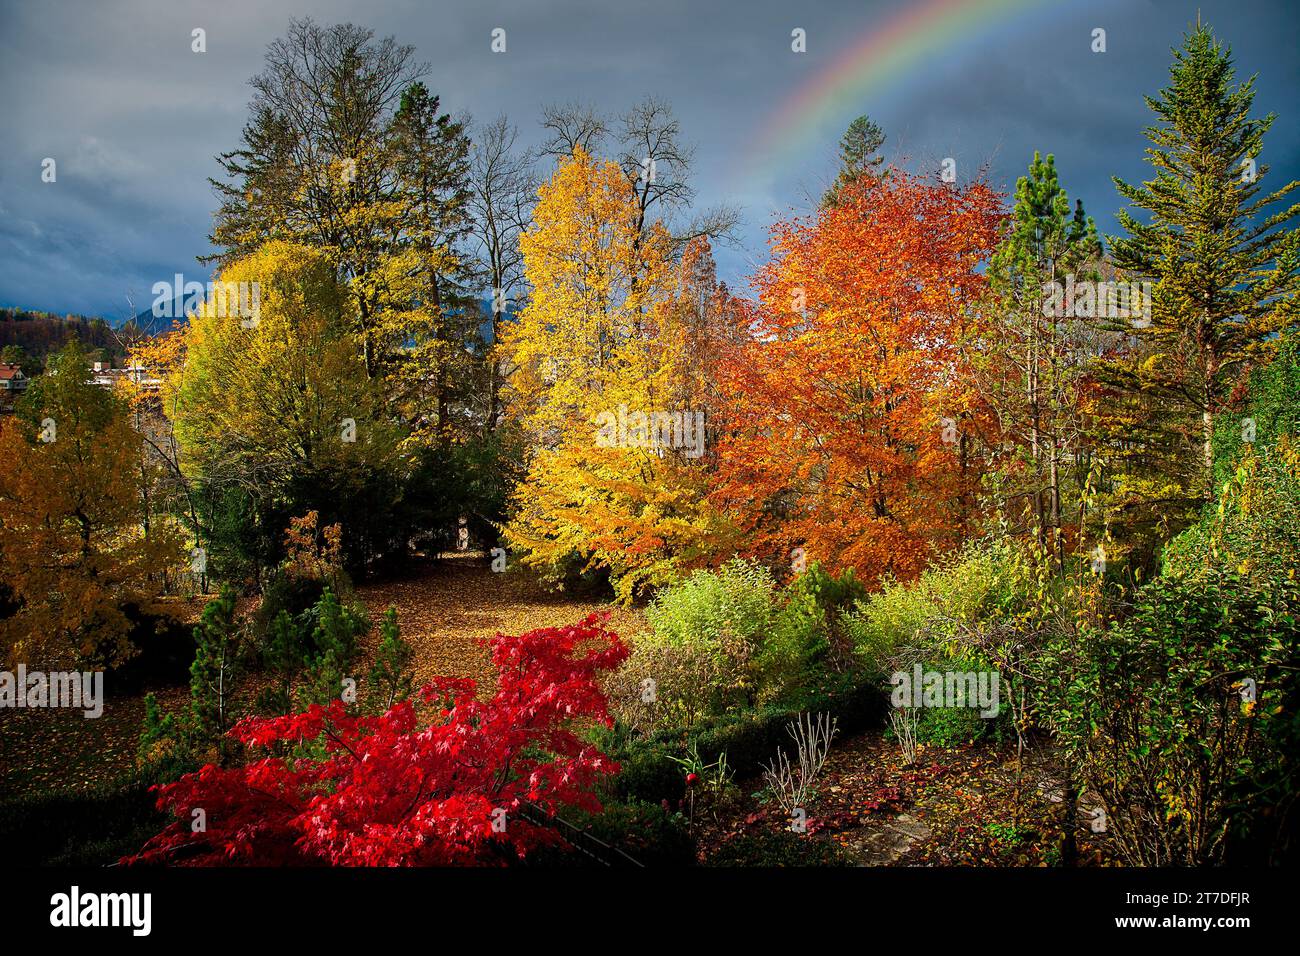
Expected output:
(1224, 258)
(858, 148)
(347, 153)
(1032, 360)
(432, 163)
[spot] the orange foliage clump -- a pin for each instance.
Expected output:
(855, 432)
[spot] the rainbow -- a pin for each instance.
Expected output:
(884, 54)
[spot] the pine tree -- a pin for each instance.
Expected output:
(432, 164)
(858, 148)
(390, 679)
(217, 639)
(335, 642)
(1224, 258)
(283, 659)
(1030, 361)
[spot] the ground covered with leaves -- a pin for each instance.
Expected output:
(970, 805)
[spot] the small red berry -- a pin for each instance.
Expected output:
(691, 778)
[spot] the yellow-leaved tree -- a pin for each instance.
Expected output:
(77, 554)
(273, 409)
(615, 481)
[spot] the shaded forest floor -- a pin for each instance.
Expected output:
(449, 609)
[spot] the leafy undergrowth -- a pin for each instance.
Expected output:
(971, 805)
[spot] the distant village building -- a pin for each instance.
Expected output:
(103, 374)
(12, 378)
(12, 384)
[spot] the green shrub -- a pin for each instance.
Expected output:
(671, 685)
(951, 726)
(993, 606)
(647, 772)
(293, 596)
(796, 648)
(622, 834)
(1153, 716)
(986, 582)
(770, 646)
(1255, 528)
(163, 753)
(709, 607)
(749, 739)
(1272, 410)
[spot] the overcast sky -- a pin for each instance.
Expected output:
(133, 117)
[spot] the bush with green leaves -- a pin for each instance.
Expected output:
(1255, 528)
(808, 635)
(622, 834)
(1270, 414)
(781, 848)
(671, 685)
(994, 605)
(987, 581)
(650, 762)
(710, 607)
(724, 640)
(1153, 714)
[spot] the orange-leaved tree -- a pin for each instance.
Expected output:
(855, 434)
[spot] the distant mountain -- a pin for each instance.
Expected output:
(154, 324)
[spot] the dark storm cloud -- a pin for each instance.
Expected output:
(134, 118)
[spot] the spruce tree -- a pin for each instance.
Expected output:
(390, 678)
(431, 159)
(1224, 259)
(217, 637)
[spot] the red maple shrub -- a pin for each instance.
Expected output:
(473, 784)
